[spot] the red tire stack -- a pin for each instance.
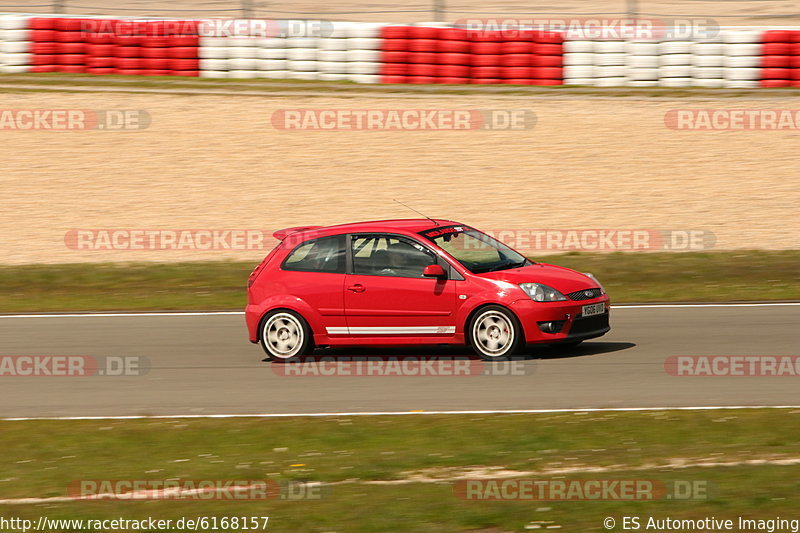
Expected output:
(183, 49)
(105, 46)
(518, 59)
(44, 46)
(127, 53)
(422, 56)
(777, 59)
(100, 47)
(154, 49)
(428, 54)
(485, 56)
(167, 52)
(58, 45)
(548, 58)
(795, 36)
(394, 54)
(453, 56)
(71, 47)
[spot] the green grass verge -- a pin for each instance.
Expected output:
(61, 81)
(41, 458)
(628, 277)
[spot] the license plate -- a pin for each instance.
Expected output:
(593, 309)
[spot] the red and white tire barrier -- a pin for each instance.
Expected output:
(364, 52)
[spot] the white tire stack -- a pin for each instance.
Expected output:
(347, 51)
(15, 45)
(642, 63)
(742, 58)
(271, 53)
(579, 61)
(242, 57)
(708, 63)
(332, 54)
(363, 52)
(301, 57)
(610, 60)
(675, 64)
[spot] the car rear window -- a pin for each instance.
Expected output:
(326, 254)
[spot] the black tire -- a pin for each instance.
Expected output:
(285, 336)
(486, 329)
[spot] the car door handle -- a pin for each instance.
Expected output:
(357, 288)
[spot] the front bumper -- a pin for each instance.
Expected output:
(589, 327)
(575, 326)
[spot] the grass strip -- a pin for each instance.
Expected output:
(53, 80)
(627, 277)
(346, 454)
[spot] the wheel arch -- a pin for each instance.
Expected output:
(483, 305)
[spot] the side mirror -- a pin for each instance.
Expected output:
(434, 271)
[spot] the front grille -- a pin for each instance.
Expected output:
(585, 294)
(589, 324)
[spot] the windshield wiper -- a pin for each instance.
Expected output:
(511, 265)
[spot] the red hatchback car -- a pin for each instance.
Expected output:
(421, 281)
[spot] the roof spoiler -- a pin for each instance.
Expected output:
(283, 233)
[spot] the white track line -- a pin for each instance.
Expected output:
(240, 313)
(407, 413)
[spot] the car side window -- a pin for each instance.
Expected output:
(326, 254)
(387, 255)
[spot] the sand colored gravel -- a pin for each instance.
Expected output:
(725, 12)
(216, 162)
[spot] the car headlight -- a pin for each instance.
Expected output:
(590, 275)
(541, 293)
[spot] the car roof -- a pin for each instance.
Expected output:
(405, 224)
(408, 225)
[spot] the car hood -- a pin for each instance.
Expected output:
(562, 279)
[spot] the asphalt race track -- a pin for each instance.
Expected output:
(205, 365)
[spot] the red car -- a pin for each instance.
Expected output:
(421, 281)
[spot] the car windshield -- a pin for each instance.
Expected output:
(476, 251)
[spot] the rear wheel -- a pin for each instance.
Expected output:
(495, 333)
(285, 336)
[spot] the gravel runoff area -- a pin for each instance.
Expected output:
(217, 162)
(724, 12)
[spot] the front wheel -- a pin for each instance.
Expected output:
(495, 333)
(285, 336)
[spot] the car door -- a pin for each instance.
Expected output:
(386, 294)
